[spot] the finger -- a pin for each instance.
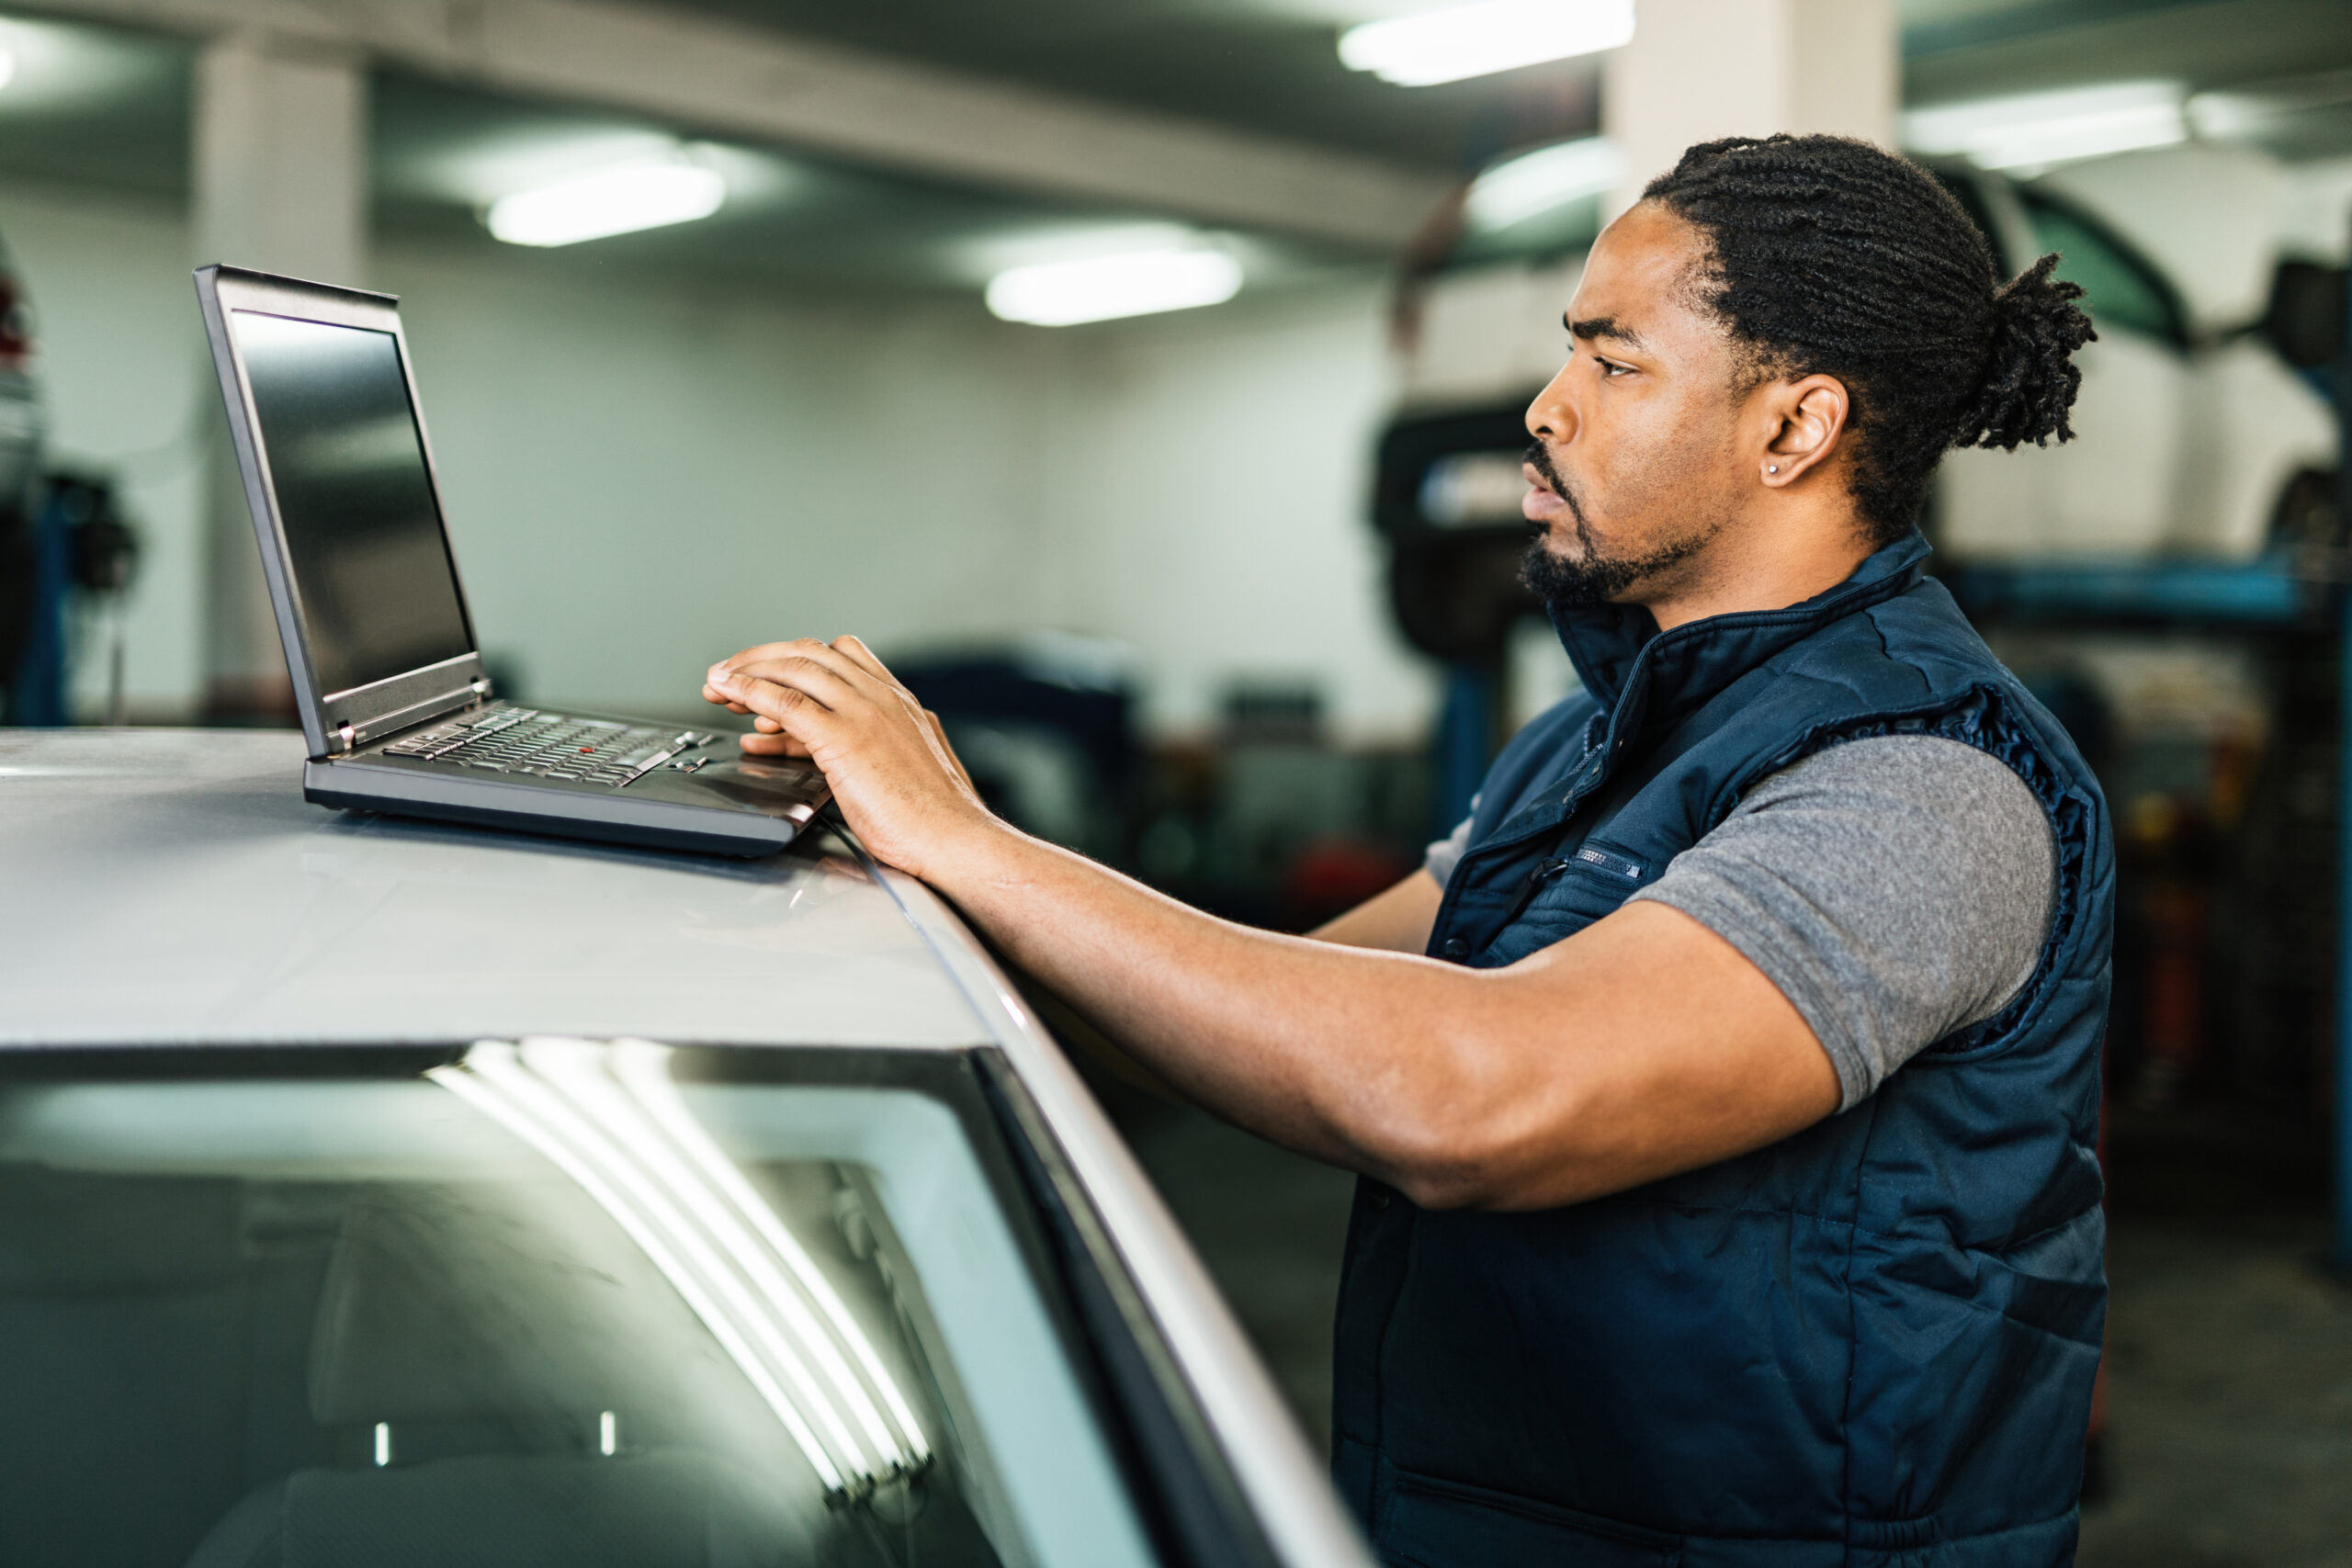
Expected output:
(946, 752)
(807, 648)
(857, 652)
(729, 704)
(762, 650)
(773, 746)
(784, 701)
(864, 660)
(798, 671)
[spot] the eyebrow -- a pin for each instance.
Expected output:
(1608, 327)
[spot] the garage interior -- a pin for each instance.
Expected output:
(1210, 592)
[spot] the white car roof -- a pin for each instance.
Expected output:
(172, 886)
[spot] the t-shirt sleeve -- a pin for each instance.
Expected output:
(1895, 888)
(1442, 856)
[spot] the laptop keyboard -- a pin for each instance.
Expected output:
(526, 741)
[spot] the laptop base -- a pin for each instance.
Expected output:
(742, 809)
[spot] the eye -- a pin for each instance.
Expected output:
(1610, 368)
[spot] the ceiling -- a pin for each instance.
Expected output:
(1269, 65)
(117, 117)
(2294, 53)
(96, 107)
(442, 152)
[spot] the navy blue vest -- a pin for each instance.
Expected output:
(1872, 1343)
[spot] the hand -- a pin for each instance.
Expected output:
(768, 739)
(897, 780)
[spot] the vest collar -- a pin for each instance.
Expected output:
(1632, 667)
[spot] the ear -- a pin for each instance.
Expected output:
(1802, 421)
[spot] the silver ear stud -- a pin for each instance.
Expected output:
(1771, 468)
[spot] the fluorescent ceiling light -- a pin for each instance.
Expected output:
(2035, 129)
(2225, 116)
(48, 67)
(1537, 182)
(1102, 288)
(1479, 39)
(617, 200)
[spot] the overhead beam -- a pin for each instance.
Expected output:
(1702, 69)
(726, 79)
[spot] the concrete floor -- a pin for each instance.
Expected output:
(2230, 1373)
(2230, 1400)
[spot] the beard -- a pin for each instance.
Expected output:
(1591, 576)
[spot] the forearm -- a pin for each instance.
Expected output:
(1574, 1074)
(1397, 921)
(1642, 1045)
(1320, 1048)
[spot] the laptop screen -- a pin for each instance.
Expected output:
(362, 530)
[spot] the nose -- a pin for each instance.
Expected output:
(1552, 418)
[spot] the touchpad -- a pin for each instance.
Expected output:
(779, 788)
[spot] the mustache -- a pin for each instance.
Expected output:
(1537, 457)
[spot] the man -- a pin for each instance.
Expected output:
(1728, 1187)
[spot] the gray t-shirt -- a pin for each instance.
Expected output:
(1896, 889)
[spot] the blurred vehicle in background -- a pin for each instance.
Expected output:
(2187, 443)
(1046, 727)
(1264, 819)
(2191, 440)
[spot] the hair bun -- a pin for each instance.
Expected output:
(2030, 375)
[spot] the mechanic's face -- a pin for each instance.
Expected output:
(1635, 466)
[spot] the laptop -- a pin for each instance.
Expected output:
(398, 711)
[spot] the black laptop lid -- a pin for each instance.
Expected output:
(363, 532)
(338, 476)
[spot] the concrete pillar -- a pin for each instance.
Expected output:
(280, 184)
(1697, 70)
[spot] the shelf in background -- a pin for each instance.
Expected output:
(2263, 592)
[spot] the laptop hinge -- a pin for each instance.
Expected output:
(349, 737)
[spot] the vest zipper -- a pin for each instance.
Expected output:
(1615, 864)
(1543, 872)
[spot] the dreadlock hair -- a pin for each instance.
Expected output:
(1831, 256)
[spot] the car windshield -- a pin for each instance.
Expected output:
(547, 1303)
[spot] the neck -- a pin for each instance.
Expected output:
(1756, 568)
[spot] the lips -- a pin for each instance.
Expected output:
(1541, 503)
